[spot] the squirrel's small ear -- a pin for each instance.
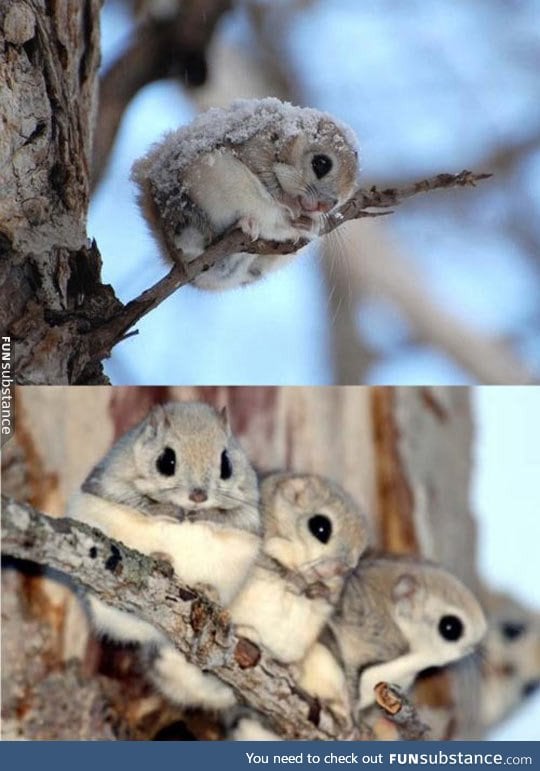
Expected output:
(224, 418)
(293, 489)
(406, 594)
(404, 587)
(156, 419)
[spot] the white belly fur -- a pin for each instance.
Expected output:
(200, 552)
(250, 730)
(285, 623)
(228, 191)
(184, 683)
(321, 676)
(121, 626)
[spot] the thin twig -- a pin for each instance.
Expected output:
(401, 712)
(393, 196)
(102, 339)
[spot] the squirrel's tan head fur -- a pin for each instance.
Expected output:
(318, 169)
(433, 610)
(184, 453)
(321, 529)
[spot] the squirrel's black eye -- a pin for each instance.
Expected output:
(451, 628)
(511, 630)
(321, 165)
(529, 688)
(321, 527)
(226, 465)
(166, 463)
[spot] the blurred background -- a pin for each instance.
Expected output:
(504, 498)
(446, 290)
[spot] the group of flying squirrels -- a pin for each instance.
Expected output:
(287, 554)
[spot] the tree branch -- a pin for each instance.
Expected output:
(393, 196)
(104, 337)
(201, 630)
(172, 47)
(401, 711)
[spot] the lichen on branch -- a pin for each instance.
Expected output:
(133, 582)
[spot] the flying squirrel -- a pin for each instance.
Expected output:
(178, 484)
(396, 617)
(272, 169)
(314, 534)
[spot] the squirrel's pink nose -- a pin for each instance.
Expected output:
(317, 205)
(198, 496)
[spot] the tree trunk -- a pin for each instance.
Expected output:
(49, 272)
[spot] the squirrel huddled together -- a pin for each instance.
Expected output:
(287, 553)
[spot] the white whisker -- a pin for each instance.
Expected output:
(253, 504)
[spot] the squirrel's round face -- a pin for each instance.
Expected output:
(326, 531)
(185, 455)
(438, 615)
(318, 173)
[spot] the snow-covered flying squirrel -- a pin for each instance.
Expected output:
(180, 485)
(397, 616)
(270, 168)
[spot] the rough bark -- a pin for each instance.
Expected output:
(49, 55)
(46, 696)
(201, 630)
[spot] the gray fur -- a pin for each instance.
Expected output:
(275, 142)
(383, 593)
(128, 473)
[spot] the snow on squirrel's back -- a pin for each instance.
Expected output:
(234, 125)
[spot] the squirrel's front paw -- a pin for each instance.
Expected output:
(250, 226)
